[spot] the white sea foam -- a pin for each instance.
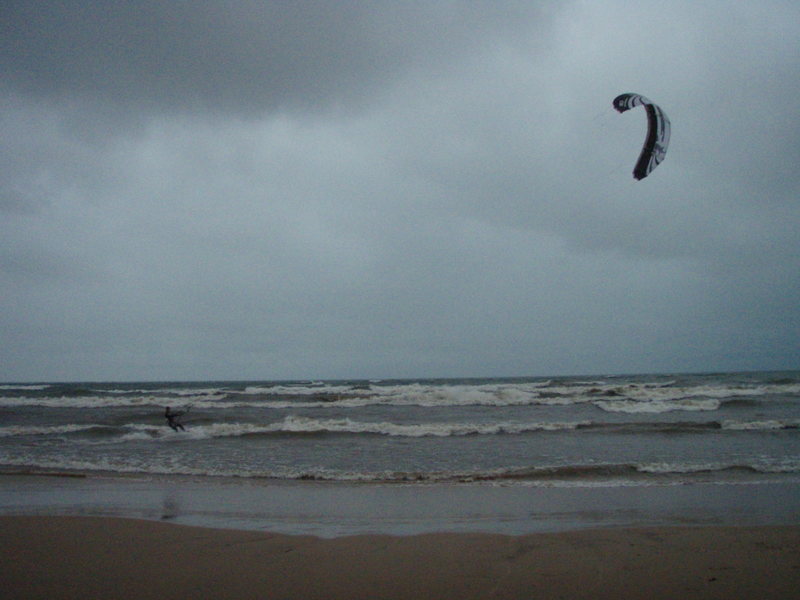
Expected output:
(512, 394)
(180, 392)
(672, 467)
(176, 467)
(25, 387)
(13, 430)
(563, 476)
(787, 465)
(102, 464)
(545, 393)
(770, 424)
(431, 399)
(101, 401)
(634, 397)
(668, 392)
(300, 425)
(657, 406)
(295, 390)
(306, 425)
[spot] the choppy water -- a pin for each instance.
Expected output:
(574, 431)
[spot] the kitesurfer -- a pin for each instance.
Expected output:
(173, 419)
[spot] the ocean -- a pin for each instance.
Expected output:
(338, 457)
(564, 431)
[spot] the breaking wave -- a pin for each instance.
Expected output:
(571, 475)
(14, 430)
(299, 425)
(295, 425)
(24, 387)
(631, 398)
(657, 406)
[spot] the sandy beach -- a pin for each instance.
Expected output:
(94, 557)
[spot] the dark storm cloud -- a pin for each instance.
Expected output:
(247, 56)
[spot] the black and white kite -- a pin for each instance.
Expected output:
(655, 145)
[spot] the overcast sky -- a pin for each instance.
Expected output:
(273, 190)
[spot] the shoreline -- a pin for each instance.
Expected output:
(80, 557)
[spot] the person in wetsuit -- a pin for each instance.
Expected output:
(173, 419)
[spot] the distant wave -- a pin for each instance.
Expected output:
(654, 397)
(166, 392)
(25, 387)
(294, 390)
(657, 393)
(106, 401)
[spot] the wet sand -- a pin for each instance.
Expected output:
(337, 509)
(93, 557)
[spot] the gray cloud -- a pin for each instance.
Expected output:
(246, 56)
(367, 190)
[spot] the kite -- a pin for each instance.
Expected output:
(658, 127)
